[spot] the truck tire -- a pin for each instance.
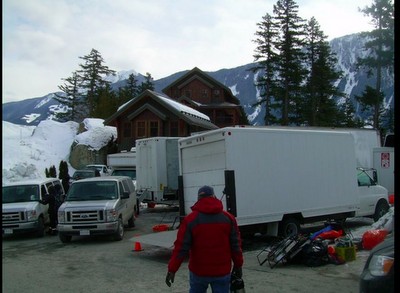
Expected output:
(40, 228)
(119, 234)
(289, 227)
(381, 208)
(131, 221)
(64, 238)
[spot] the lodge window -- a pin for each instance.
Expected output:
(141, 129)
(204, 93)
(127, 129)
(154, 128)
(147, 129)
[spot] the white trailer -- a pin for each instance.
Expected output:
(271, 178)
(122, 160)
(157, 168)
(123, 164)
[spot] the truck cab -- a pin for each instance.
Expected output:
(97, 206)
(21, 208)
(102, 169)
(373, 197)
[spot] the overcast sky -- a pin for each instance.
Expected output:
(43, 39)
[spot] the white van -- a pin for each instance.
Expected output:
(97, 206)
(22, 211)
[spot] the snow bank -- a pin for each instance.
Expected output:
(28, 150)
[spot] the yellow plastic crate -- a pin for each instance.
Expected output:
(346, 253)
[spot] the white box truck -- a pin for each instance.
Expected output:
(123, 164)
(157, 168)
(274, 179)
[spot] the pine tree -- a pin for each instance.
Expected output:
(71, 99)
(64, 175)
(52, 172)
(346, 115)
(129, 91)
(93, 72)
(318, 106)
(369, 100)
(266, 59)
(381, 51)
(107, 103)
(131, 88)
(290, 69)
(147, 84)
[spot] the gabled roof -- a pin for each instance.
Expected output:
(203, 76)
(189, 115)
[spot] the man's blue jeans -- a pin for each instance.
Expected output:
(199, 284)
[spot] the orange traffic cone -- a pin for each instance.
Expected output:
(138, 246)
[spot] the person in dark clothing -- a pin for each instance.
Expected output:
(210, 237)
(65, 182)
(51, 199)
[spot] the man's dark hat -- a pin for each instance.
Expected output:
(205, 191)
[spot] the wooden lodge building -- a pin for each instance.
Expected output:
(194, 102)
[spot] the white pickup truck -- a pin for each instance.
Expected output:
(97, 206)
(21, 209)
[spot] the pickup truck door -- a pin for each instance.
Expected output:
(368, 193)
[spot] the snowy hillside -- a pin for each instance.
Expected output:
(29, 150)
(240, 80)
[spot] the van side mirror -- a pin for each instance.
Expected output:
(375, 176)
(125, 194)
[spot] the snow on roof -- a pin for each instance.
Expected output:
(182, 108)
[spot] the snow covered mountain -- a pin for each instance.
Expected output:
(239, 79)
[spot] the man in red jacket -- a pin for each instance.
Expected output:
(211, 237)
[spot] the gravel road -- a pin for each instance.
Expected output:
(100, 264)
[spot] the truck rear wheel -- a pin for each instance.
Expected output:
(131, 221)
(381, 209)
(40, 228)
(119, 234)
(289, 227)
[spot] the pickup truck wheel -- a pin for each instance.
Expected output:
(64, 238)
(137, 207)
(40, 228)
(131, 221)
(381, 209)
(289, 227)
(119, 234)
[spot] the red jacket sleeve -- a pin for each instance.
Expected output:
(181, 249)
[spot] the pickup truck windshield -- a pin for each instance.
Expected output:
(99, 190)
(20, 193)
